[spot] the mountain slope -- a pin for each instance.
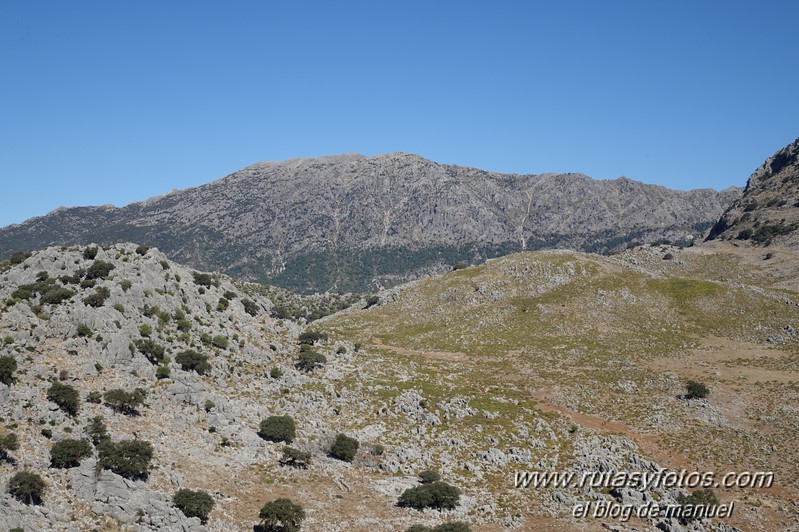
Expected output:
(768, 210)
(354, 223)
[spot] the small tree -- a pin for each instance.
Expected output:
(65, 396)
(203, 279)
(129, 458)
(125, 402)
(99, 269)
(56, 296)
(191, 360)
(281, 515)
(26, 487)
(344, 448)
(696, 390)
(311, 337)
(194, 503)
(278, 429)
(97, 299)
(310, 360)
(295, 458)
(69, 453)
(151, 350)
(96, 430)
(8, 365)
(439, 495)
(9, 442)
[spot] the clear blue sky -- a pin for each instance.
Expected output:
(113, 102)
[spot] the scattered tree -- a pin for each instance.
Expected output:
(696, 390)
(438, 495)
(90, 253)
(8, 365)
(56, 296)
(125, 402)
(97, 299)
(278, 429)
(96, 430)
(129, 458)
(344, 448)
(9, 442)
(429, 476)
(99, 270)
(194, 503)
(151, 350)
(26, 487)
(65, 396)
(295, 458)
(281, 515)
(311, 337)
(203, 279)
(68, 453)
(309, 360)
(193, 361)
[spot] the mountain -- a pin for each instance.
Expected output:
(768, 210)
(355, 223)
(548, 361)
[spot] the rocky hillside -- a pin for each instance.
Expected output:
(354, 223)
(768, 211)
(547, 361)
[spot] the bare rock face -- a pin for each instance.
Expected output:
(351, 222)
(768, 211)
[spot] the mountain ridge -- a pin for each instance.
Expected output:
(351, 222)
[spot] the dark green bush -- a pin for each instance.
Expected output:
(438, 495)
(94, 397)
(128, 458)
(203, 279)
(97, 299)
(9, 442)
(278, 429)
(125, 402)
(26, 487)
(222, 305)
(151, 350)
(250, 307)
(19, 257)
(344, 448)
(194, 503)
(90, 253)
(295, 458)
(281, 515)
(311, 337)
(96, 430)
(69, 453)
(8, 365)
(56, 296)
(696, 390)
(65, 396)
(163, 372)
(193, 361)
(142, 250)
(219, 341)
(275, 372)
(84, 331)
(310, 360)
(99, 270)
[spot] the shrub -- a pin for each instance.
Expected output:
(128, 458)
(250, 307)
(282, 515)
(84, 331)
(9, 442)
(99, 270)
(275, 372)
(310, 360)
(69, 453)
(65, 396)
(222, 305)
(203, 279)
(439, 495)
(183, 324)
(126, 284)
(145, 330)
(90, 253)
(193, 361)
(56, 296)
(194, 503)
(705, 497)
(142, 250)
(8, 365)
(219, 341)
(696, 390)
(26, 487)
(295, 458)
(96, 430)
(163, 372)
(94, 397)
(311, 337)
(344, 448)
(125, 402)
(277, 429)
(457, 526)
(151, 350)
(97, 299)
(429, 476)
(19, 257)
